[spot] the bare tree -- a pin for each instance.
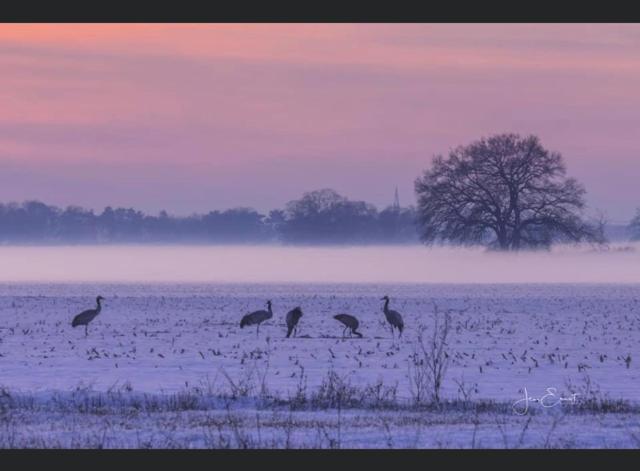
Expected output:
(507, 192)
(598, 229)
(429, 362)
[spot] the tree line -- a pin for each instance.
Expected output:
(505, 192)
(319, 217)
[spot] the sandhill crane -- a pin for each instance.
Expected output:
(87, 316)
(293, 317)
(257, 317)
(393, 317)
(350, 322)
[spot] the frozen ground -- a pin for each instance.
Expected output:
(123, 419)
(160, 340)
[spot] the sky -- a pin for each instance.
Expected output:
(192, 117)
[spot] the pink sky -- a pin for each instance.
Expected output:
(198, 117)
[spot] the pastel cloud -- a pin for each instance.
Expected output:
(254, 114)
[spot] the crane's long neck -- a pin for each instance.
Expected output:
(98, 307)
(386, 306)
(269, 309)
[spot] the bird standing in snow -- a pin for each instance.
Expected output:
(293, 317)
(257, 317)
(87, 316)
(393, 317)
(349, 322)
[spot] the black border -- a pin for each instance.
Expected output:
(389, 12)
(415, 11)
(418, 460)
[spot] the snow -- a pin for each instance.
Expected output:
(166, 338)
(249, 428)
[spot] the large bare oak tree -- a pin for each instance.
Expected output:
(507, 192)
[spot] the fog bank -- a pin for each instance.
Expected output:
(618, 264)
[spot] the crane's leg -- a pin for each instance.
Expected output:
(86, 330)
(258, 330)
(344, 332)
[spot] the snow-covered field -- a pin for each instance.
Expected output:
(179, 347)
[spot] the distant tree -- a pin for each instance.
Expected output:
(163, 228)
(31, 221)
(507, 192)
(106, 225)
(234, 225)
(275, 223)
(634, 226)
(77, 225)
(398, 225)
(121, 225)
(325, 217)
